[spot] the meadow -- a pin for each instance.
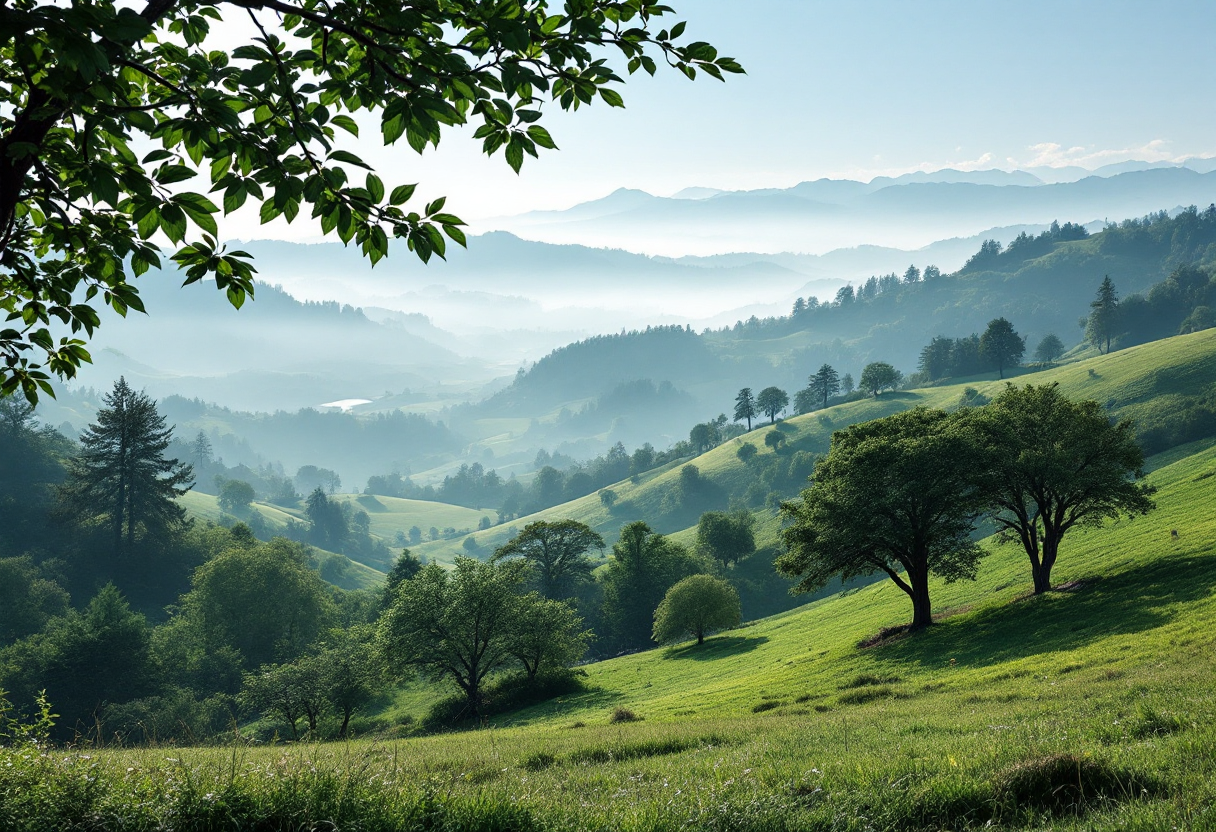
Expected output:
(1088, 708)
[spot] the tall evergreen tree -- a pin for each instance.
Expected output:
(745, 406)
(122, 475)
(824, 384)
(1100, 327)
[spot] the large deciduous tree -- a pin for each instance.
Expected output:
(88, 85)
(558, 551)
(1001, 346)
(1054, 464)
(456, 625)
(894, 495)
(122, 475)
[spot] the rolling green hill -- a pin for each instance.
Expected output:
(1147, 383)
(390, 515)
(343, 572)
(1089, 708)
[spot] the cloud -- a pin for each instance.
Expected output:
(1054, 155)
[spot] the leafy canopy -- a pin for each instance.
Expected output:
(112, 109)
(696, 606)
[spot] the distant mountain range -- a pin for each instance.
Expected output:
(907, 212)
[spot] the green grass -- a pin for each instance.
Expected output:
(1089, 708)
(988, 720)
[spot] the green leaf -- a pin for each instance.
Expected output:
(401, 194)
(347, 157)
(346, 123)
(375, 187)
(515, 154)
(541, 136)
(611, 97)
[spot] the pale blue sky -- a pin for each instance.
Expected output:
(860, 89)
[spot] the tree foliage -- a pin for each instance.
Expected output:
(771, 401)
(1001, 346)
(643, 566)
(878, 376)
(696, 606)
(558, 551)
(726, 538)
(546, 635)
(824, 384)
(1101, 327)
(1049, 349)
(745, 406)
(894, 495)
(1051, 465)
(87, 85)
(122, 476)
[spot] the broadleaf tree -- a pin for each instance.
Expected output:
(696, 606)
(558, 552)
(1053, 464)
(771, 401)
(90, 86)
(1001, 346)
(895, 495)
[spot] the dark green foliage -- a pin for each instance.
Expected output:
(121, 478)
(236, 496)
(259, 599)
(1102, 325)
(878, 376)
(894, 495)
(1066, 782)
(28, 600)
(1049, 349)
(1001, 346)
(504, 695)
(558, 552)
(644, 565)
(745, 406)
(821, 386)
(76, 660)
(405, 567)
(772, 401)
(1051, 464)
(31, 465)
(726, 538)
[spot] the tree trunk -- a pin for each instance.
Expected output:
(922, 608)
(346, 712)
(1042, 571)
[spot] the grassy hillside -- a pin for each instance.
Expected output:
(390, 515)
(1090, 708)
(348, 574)
(1144, 382)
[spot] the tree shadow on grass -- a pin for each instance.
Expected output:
(1132, 601)
(719, 647)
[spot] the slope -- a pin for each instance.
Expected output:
(1145, 382)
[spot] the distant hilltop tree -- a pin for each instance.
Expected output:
(1001, 345)
(1100, 327)
(1049, 349)
(745, 406)
(878, 376)
(824, 384)
(771, 401)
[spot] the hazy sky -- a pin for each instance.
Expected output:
(857, 89)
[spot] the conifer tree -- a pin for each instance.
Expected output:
(824, 384)
(1100, 327)
(745, 406)
(122, 475)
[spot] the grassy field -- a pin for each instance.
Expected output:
(1090, 708)
(390, 515)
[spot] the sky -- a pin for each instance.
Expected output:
(858, 89)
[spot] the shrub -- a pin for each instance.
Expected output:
(623, 715)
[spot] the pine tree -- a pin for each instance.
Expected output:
(745, 406)
(122, 474)
(824, 384)
(1100, 328)
(200, 451)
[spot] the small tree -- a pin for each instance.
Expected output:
(696, 606)
(547, 635)
(771, 401)
(894, 495)
(235, 496)
(456, 625)
(351, 671)
(1049, 349)
(846, 384)
(774, 439)
(1001, 345)
(727, 538)
(558, 552)
(1101, 326)
(824, 384)
(878, 376)
(1053, 464)
(643, 566)
(745, 406)
(745, 452)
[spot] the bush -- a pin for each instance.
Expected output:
(623, 715)
(509, 693)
